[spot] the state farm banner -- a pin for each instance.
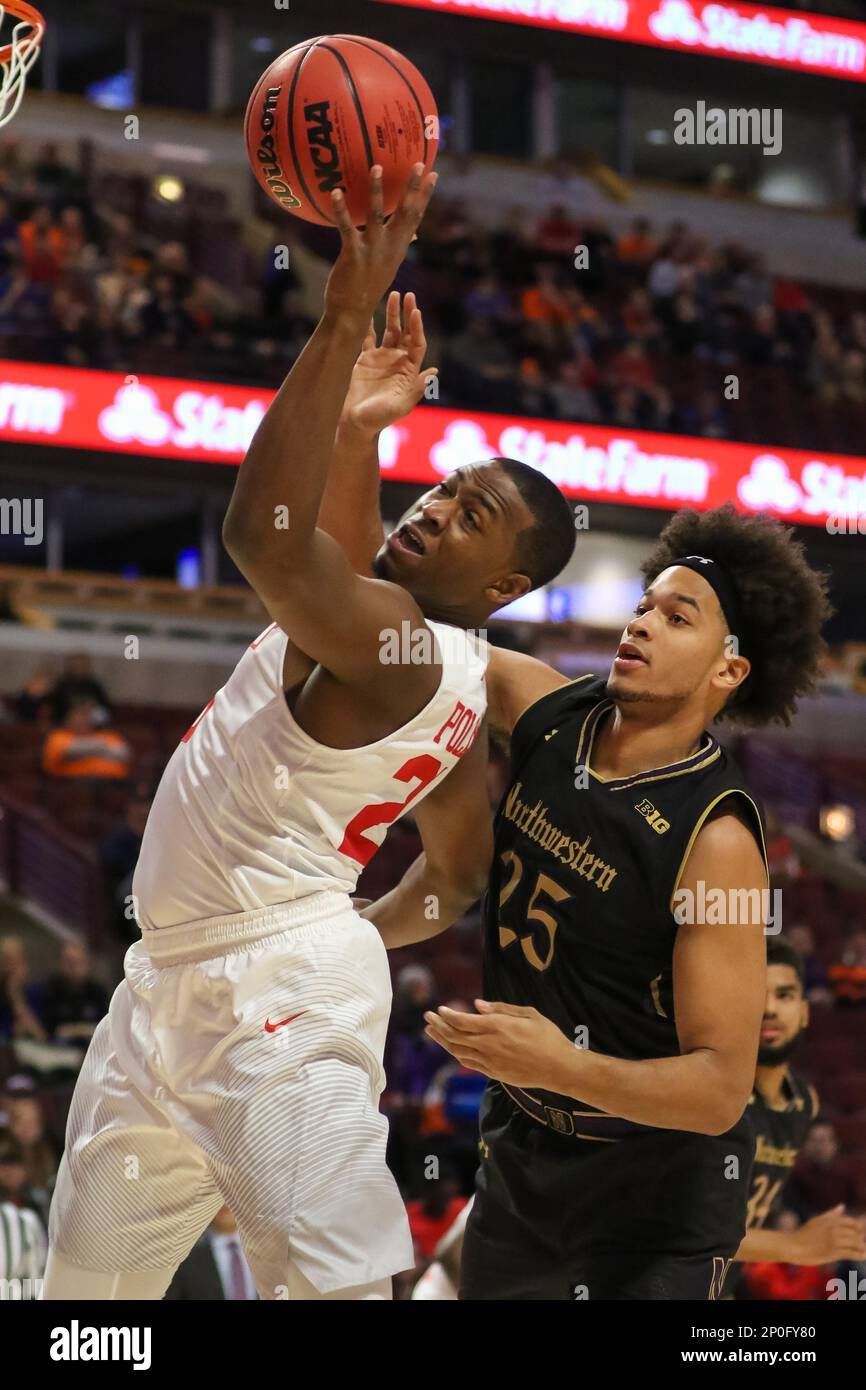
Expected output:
(750, 33)
(164, 417)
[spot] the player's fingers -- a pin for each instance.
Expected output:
(486, 1006)
(393, 332)
(416, 341)
(419, 191)
(345, 226)
(376, 220)
(464, 1023)
(370, 340)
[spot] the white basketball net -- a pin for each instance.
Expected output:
(23, 44)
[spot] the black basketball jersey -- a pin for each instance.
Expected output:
(779, 1134)
(578, 917)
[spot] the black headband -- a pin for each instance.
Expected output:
(724, 589)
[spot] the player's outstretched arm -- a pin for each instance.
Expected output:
(270, 530)
(451, 874)
(387, 383)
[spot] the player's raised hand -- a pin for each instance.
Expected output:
(389, 380)
(369, 259)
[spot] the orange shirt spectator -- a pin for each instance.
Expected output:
(544, 302)
(42, 246)
(79, 748)
(637, 247)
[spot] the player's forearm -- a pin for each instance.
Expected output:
(275, 504)
(691, 1092)
(777, 1246)
(350, 510)
(424, 903)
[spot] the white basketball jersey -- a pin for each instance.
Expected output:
(251, 812)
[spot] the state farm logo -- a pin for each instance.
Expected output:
(725, 29)
(197, 420)
(616, 467)
(824, 489)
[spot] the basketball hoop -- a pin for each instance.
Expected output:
(18, 57)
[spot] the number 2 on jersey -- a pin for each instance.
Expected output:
(355, 842)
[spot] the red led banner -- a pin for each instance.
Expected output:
(164, 417)
(748, 33)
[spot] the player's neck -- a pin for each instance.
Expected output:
(628, 743)
(770, 1081)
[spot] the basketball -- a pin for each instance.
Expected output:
(327, 110)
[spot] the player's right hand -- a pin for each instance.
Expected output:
(369, 259)
(389, 380)
(830, 1237)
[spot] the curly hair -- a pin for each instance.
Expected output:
(783, 600)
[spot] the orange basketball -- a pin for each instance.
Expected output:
(327, 110)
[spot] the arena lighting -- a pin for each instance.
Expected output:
(746, 33)
(837, 823)
(168, 188)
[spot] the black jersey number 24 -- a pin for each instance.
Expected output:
(538, 943)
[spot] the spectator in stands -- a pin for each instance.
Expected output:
(81, 748)
(847, 976)
(216, 1268)
(815, 984)
(73, 1001)
(430, 1216)
(822, 1178)
(41, 247)
(414, 994)
(77, 682)
(14, 1187)
(486, 367)
(20, 999)
(35, 703)
(572, 400)
(9, 239)
(118, 853)
(39, 1153)
(637, 247)
(23, 1248)
(558, 233)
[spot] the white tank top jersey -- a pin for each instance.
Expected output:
(252, 813)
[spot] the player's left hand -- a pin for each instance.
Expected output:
(388, 381)
(504, 1041)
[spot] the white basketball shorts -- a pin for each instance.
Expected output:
(240, 1061)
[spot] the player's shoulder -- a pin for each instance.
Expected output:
(562, 700)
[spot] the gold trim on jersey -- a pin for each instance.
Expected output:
(708, 753)
(656, 997)
(699, 825)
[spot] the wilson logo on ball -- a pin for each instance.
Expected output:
(267, 154)
(323, 151)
